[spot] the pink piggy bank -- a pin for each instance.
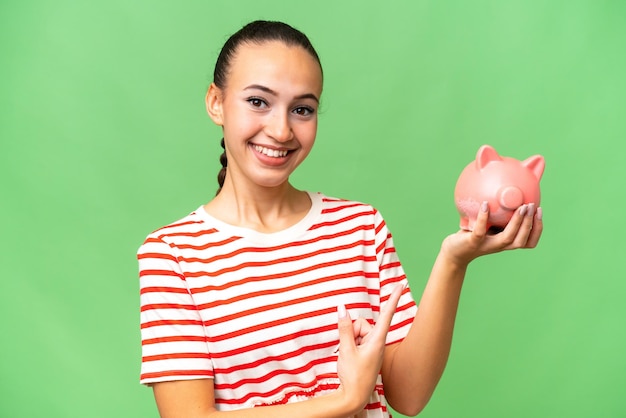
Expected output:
(505, 183)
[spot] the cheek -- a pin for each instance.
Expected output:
(240, 126)
(307, 132)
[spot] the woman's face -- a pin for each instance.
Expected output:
(268, 110)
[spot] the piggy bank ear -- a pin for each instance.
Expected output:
(536, 164)
(485, 155)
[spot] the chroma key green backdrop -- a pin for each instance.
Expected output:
(104, 137)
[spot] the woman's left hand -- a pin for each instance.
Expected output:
(523, 231)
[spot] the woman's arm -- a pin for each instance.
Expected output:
(196, 399)
(357, 366)
(413, 367)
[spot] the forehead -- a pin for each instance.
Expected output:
(275, 64)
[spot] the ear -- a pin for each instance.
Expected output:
(213, 102)
(485, 155)
(536, 164)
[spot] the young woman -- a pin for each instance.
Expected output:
(269, 301)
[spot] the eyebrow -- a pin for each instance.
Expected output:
(273, 93)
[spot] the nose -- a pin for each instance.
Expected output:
(278, 127)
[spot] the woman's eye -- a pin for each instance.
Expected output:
(303, 111)
(257, 102)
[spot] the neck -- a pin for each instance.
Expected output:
(263, 209)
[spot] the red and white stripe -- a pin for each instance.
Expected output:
(258, 312)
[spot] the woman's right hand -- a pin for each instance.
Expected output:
(361, 349)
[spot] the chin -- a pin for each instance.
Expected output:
(272, 184)
(272, 179)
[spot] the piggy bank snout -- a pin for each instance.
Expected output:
(510, 197)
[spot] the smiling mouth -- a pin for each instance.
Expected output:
(274, 153)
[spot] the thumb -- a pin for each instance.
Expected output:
(346, 330)
(480, 226)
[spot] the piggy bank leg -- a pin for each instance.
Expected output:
(466, 224)
(468, 210)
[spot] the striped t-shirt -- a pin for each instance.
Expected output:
(257, 312)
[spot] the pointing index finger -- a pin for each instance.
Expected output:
(384, 320)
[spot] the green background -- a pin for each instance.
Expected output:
(104, 138)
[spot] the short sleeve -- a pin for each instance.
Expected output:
(173, 341)
(392, 274)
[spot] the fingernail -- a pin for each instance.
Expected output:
(531, 210)
(523, 209)
(539, 214)
(341, 311)
(484, 206)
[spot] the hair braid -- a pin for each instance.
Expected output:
(222, 174)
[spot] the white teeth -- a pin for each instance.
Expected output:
(270, 152)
